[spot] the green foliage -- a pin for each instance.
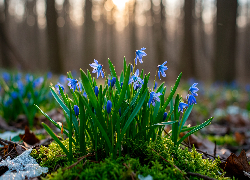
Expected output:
(142, 160)
(53, 155)
(222, 140)
(19, 95)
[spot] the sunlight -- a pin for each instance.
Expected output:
(120, 4)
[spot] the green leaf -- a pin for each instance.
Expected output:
(91, 95)
(124, 89)
(84, 101)
(165, 123)
(52, 134)
(130, 105)
(51, 120)
(134, 113)
(185, 116)
(113, 73)
(194, 130)
(67, 111)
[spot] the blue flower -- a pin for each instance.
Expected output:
(181, 106)
(111, 82)
(154, 97)
(165, 116)
(57, 87)
(28, 78)
(14, 94)
(6, 76)
(85, 94)
(191, 100)
(155, 85)
(97, 68)
(121, 84)
(136, 80)
(18, 76)
(20, 86)
(194, 89)
(162, 68)
(76, 109)
(109, 105)
(72, 83)
(139, 55)
(96, 91)
(38, 82)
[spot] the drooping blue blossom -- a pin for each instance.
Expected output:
(136, 80)
(139, 55)
(182, 106)
(154, 97)
(14, 94)
(6, 76)
(120, 112)
(97, 68)
(57, 87)
(85, 94)
(28, 78)
(96, 91)
(131, 68)
(155, 85)
(162, 68)
(121, 84)
(109, 105)
(165, 116)
(18, 76)
(193, 89)
(37, 82)
(72, 83)
(191, 100)
(76, 109)
(111, 82)
(28, 95)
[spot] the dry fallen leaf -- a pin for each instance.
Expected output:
(235, 166)
(29, 137)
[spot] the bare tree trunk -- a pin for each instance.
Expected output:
(187, 63)
(89, 35)
(132, 29)
(224, 62)
(247, 45)
(56, 63)
(159, 33)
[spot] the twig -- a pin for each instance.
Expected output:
(2, 141)
(73, 165)
(199, 175)
(171, 164)
(133, 175)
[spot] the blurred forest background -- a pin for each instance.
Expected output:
(205, 39)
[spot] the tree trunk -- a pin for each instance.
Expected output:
(89, 36)
(187, 63)
(55, 59)
(224, 61)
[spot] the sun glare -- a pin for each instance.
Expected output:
(120, 4)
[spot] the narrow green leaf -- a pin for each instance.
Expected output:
(194, 130)
(84, 101)
(113, 73)
(185, 116)
(67, 111)
(91, 95)
(134, 113)
(51, 133)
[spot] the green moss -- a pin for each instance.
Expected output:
(53, 155)
(222, 140)
(139, 158)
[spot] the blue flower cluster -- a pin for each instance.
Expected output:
(190, 97)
